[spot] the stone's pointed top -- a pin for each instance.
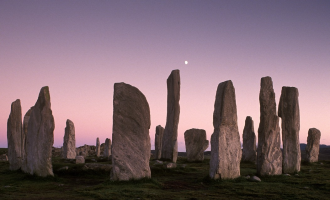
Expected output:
(69, 122)
(44, 97)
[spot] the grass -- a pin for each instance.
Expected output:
(189, 182)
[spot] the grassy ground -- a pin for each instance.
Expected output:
(191, 182)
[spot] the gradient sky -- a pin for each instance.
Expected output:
(81, 48)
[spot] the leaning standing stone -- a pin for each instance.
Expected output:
(269, 155)
(40, 137)
(226, 150)
(170, 143)
(98, 148)
(69, 141)
(313, 145)
(158, 141)
(249, 141)
(130, 137)
(107, 148)
(288, 110)
(196, 144)
(14, 136)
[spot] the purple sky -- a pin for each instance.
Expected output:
(81, 48)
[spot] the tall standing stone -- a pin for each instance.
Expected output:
(170, 143)
(40, 137)
(130, 137)
(14, 136)
(249, 141)
(24, 133)
(98, 147)
(158, 141)
(226, 150)
(288, 110)
(107, 148)
(269, 155)
(313, 145)
(196, 144)
(69, 141)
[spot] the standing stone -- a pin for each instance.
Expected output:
(170, 143)
(158, 141)
(80, 159)
(226, 150)
(249, 141)
(107, 148)
(196, 144)
(40, 137)
(14, 136)
(313, 145)
(24, 133)
(98, 148)
(288, 110)
(269, 155)
(130, 137)
(69, 141)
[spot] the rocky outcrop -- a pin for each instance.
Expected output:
(196, 144)
(288, 110)
(130, 137)
(40, 137)
(107, 148)
(226, 150)
(249, 141)
(14, 136)
(170, 143)
(69, 141)
(269, 155)
(98, 148)
(313, 145)
(158, 141)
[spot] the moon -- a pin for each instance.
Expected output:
(186, 62)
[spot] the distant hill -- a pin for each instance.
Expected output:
(303, 146)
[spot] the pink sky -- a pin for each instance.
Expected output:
(81, 48)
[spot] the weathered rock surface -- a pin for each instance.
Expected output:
(170, 143)
(98, 148)
(40, 137)
(313, 145)
(3, 158)
(24, 133)
(80, 159)
(107, 148)
(226, 150)
(130, 137)
(14, 136)
(158, 141)
(196, 144)
(249, 141)
(269, 155)
(69, 141)
(288, 110)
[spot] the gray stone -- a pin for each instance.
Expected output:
(249, 141)
(63, 168)
(14, 136)
(107, 149)
(80, 159)
(98, 147)
(158, 162)
(170, 143)
(269, 155)
(130, 137)
(69, 141)
(97, 166)
(169, 165)
(40, 137)
(255, 179)
(288, 110)
(196, 144)
(158, 141)
(3, 158)
(226, 150)
(313, 145)
(24, 133)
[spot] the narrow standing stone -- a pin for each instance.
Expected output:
(170, 143)
(40, 137)
(313, 145)
(196, 144)
(130, 137)
(158, 141)
(269, 155)
(288, 110)
(98, 148)
(249, 141)
(69, 141)
(14, 136)
(24, 133)
(107, 148)
(226, 150)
